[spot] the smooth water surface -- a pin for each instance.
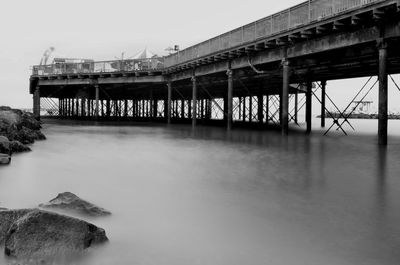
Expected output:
(183, 197)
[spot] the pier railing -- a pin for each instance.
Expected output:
(134, 65)
(300, 15)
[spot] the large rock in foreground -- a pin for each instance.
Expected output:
(33, 233)
(71, 202)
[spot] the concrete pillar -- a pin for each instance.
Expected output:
(285, 97)
(383, 94)
(323, 102)
(97, 101)
(309, 106)
(229, 118)
(194, 99)
(36, 103)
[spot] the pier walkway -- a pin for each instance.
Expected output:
(263, 73)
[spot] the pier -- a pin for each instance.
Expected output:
(261, 74)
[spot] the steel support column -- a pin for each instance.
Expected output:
(383, 94)
(309, 105)
(36, 103)
(260, 109)
(97, 101)
(168, 103)
(323, 102)
(229, 118)
(194, 99)
(285, 97)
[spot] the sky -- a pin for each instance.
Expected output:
(102, 30)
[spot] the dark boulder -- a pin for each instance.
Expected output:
(34, 233)
(71, 202)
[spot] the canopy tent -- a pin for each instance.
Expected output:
(145, 54)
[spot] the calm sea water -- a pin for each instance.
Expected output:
(183, 197)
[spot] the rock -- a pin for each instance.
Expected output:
(25, 135)
(29, 121)
(4, 145)
(8, 147)
(18, 147)
(36, 233)
(69, 201)
(10, 117)
(5, 159)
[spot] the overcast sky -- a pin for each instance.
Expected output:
(102, 30)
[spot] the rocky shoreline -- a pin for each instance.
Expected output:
(18, 130)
